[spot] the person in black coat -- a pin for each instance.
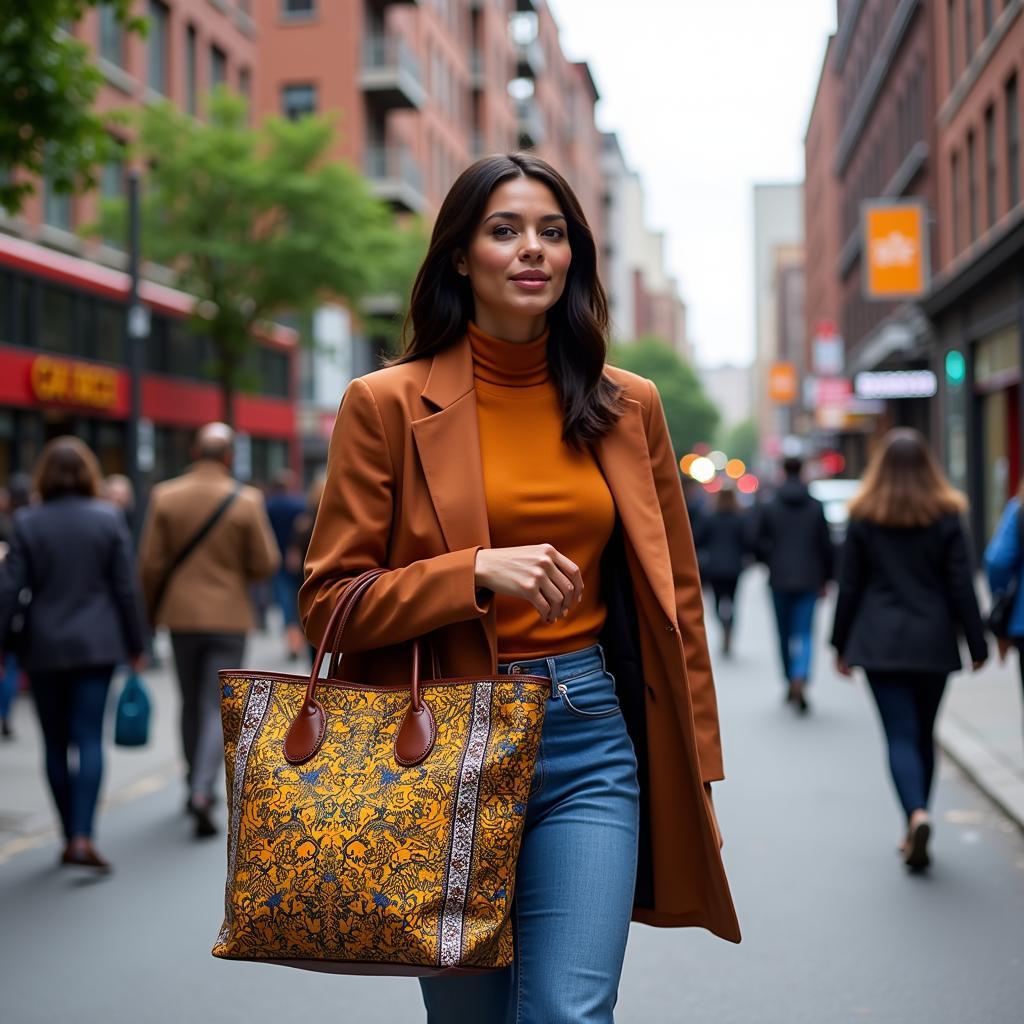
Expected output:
(905, 594)
(792, 539)
(72, 552)
(722, 541)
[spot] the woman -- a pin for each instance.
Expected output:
(526, 501)
(721, 538)
(73, 552)
(1004, 562)
(905, 593)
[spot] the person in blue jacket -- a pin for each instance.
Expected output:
(1004, 560)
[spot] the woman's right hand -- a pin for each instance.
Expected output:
(538, 573)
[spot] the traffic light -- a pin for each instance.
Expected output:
(956, 368)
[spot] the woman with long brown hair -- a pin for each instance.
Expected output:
(525, 500)
(73, 553)
(906, 593)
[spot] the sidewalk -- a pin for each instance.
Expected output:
(26, 814)
(982, 730)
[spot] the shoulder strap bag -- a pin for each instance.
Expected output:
(197, 538)
(373, 828)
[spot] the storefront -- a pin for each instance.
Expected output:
(63, 370)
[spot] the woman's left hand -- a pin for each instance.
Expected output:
(842, 668)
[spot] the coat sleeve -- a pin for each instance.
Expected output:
(352, 534)
(1003, 554)
(960, 590)
(126, 593)
(154, 554)
(689, 598)
(851, 586)
(262, 556)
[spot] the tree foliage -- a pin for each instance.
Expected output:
(49, 85)
(254, 221)
(691, 416)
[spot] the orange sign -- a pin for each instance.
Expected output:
(782, 383)
(69, 383)
(895, 249)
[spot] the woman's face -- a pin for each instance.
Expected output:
(517, 260)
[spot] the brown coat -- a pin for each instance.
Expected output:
(209, 592)
(405, 491)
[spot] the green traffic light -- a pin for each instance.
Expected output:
(956, 368)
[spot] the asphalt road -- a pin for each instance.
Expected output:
(834, 930)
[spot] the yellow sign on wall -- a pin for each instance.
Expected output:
(895, 249)
(782, 383)
(70, 383)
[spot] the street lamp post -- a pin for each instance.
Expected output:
(140, 431)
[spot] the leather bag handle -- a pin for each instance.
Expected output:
(417, 733)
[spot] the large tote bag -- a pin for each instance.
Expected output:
(374, 829)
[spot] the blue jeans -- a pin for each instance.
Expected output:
(908, 703)
(70, 706)
(286, 595)
(577, 865)
(9, 674)
(794, 615)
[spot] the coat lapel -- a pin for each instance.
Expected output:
(448, 443)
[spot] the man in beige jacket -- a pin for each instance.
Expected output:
(204, 599)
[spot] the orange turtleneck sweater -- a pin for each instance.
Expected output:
(538, 489)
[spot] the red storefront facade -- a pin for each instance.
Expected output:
(63, 369)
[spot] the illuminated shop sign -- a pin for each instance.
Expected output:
(65, 382)
(895, 384)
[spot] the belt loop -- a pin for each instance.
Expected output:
(553, 674)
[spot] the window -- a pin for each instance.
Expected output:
(191, 71)
(159, 18)
(298, 8)
(111, 36)
(245, 82)
(951, 29)
(991, 166)
(954, 194)
(969, 29)
(56, 320)
(56, 205)
(972, 188)
(218, 66)
(112, 186)
(108, 344)
(298, 101)
(1012, 142)
(987, 15)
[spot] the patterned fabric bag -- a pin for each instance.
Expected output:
(374, 829)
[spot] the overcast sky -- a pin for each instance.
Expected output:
(707, 98)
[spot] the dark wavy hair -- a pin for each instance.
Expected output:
(66, 466)
(442, 299)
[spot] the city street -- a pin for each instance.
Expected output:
(834, 931)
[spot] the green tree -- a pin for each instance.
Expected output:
(49, 85)
(691, 416)
(741, 441)
(254, 222)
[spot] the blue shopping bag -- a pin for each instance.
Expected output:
(132, 724)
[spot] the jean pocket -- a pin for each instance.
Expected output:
(592, 697)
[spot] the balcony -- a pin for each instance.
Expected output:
(530, 61)
(396, 177)
(531, 124)
(391, 77)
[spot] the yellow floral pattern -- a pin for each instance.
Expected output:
(352, 858)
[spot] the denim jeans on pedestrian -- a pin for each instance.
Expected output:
(794, 616)
(908, 703)
(577, 865)
(10, 671)
(70, 705)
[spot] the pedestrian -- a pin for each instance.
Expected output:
(486, 468)
(792, 539)
(722, 540)
(284, 506)
(906, 591)
(1004, 564)
(16, 495)
(302, 532)
(73, 553)
(205, 540)
(119, 491)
